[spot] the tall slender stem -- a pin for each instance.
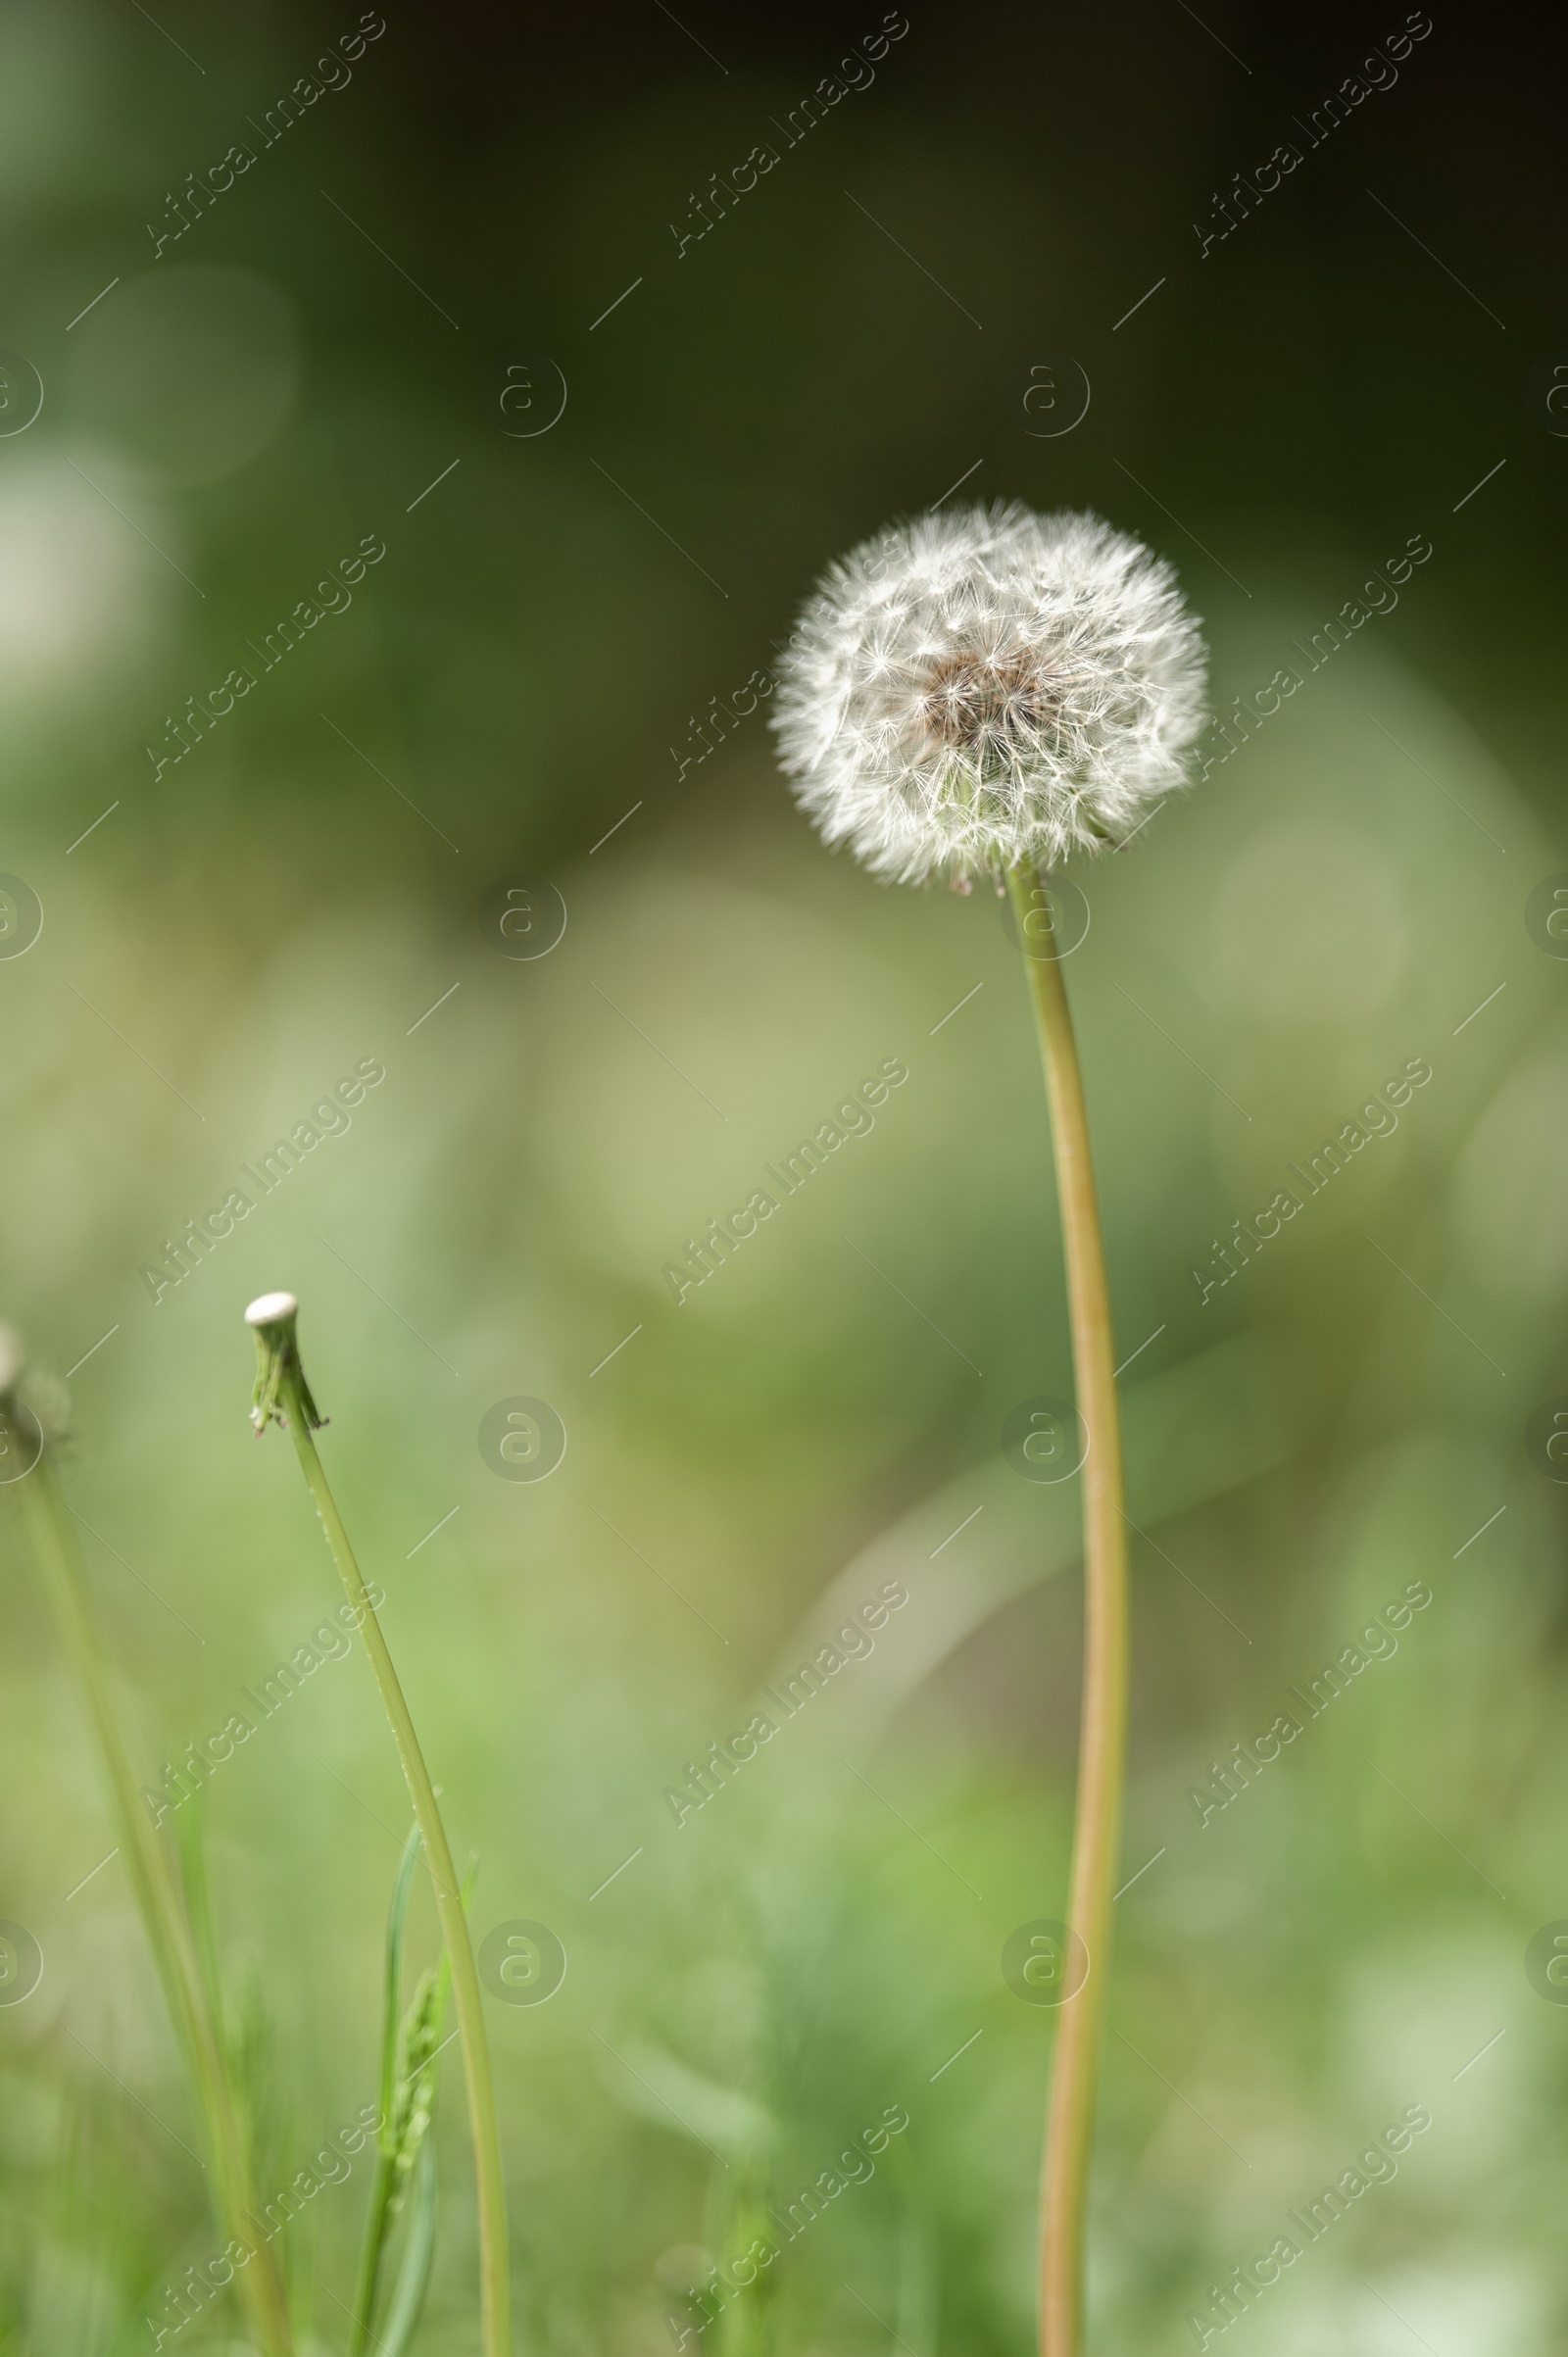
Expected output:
(1103, 1728)
(494, 2266)
(259, 2278)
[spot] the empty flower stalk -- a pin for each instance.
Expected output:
(284, 1395)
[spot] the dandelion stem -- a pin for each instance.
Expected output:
(494, 2270)
(167, 1925)
(1101, 1740)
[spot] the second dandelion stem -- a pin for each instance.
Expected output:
(1103, 1728)
(260, 2281)
(494, 2267)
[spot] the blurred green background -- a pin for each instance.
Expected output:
(364, 338)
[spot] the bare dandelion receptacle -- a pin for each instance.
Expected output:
(271, 1317)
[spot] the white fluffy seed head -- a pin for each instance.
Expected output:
(975, 690)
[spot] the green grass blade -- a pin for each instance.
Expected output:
(190, 1842)
(419, 2254)
(396, 1924)
(161, 1901)
(378, 2222)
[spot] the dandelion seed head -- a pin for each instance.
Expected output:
(970, 691)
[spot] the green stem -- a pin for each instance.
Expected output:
(259, 2280)
(495, 2282)
(1103, 1728)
